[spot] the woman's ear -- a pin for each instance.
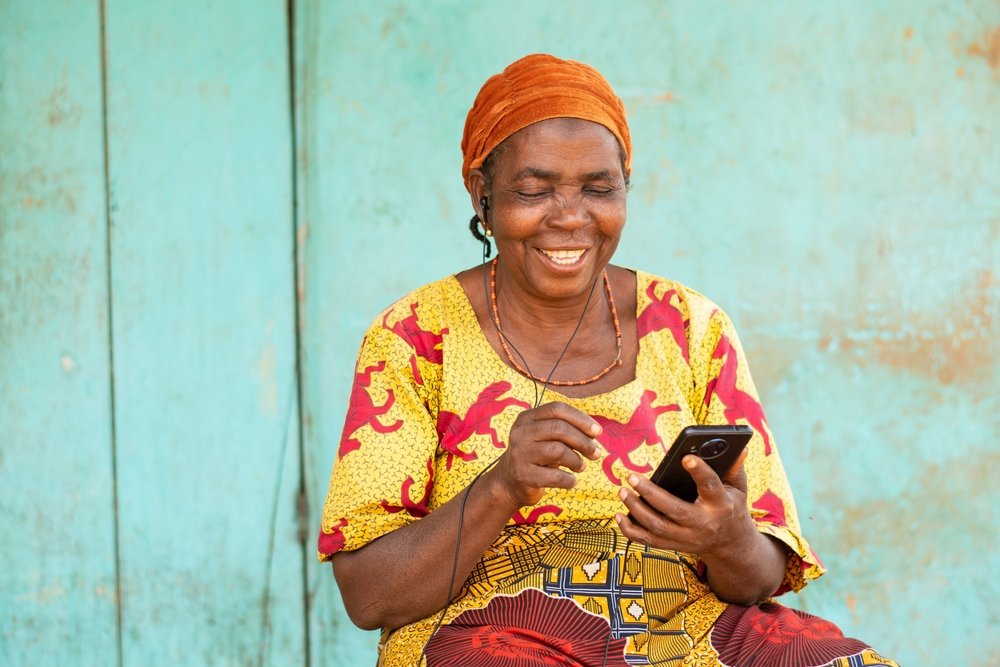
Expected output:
(477, 190)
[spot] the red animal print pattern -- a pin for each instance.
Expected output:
(426, 344)
(661, 313)
(535, 514)
(455, 429)
(415, 508)
(333, 541)
(362, 411)
(773, 508)
(739, 404)
(622, 439)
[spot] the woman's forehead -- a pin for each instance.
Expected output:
(555, 147)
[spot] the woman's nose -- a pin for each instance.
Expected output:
(570, 211)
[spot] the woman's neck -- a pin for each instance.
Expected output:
(548, 323)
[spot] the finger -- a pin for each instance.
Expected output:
(571, 436)
(661, 500)
(567, 413)
(642, 514)
(553, 478)
(555, 454)
(737, 475)
(633, 529)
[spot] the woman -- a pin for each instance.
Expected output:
(503, 420)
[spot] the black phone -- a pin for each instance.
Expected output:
(718, 446)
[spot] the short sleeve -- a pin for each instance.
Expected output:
(727, 396)
(384, 471)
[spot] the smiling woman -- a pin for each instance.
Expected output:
(502, 420)
(555, 206)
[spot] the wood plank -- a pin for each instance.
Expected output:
(57, 582)
(332, 316)
(202, 266)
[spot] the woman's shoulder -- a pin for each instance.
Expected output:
(424, 311)
(430, 297)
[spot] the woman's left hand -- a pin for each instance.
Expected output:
(744, 565)
(718, 522)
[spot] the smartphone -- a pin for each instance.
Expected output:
(718, 446)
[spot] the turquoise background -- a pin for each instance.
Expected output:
(203, 205)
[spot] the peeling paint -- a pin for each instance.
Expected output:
(266, 374)
(67, 363)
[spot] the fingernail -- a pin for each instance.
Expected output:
(618, 519)
(623, 494)
(595, 428)
(633, 480)
(690, 463)
(596, 454)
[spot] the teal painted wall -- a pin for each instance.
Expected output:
(203, 205)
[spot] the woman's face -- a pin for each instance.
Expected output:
(556, 205)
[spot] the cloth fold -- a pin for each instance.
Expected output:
(536, 88)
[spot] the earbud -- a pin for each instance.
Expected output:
(484, 203)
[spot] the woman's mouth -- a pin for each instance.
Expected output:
(564, 257)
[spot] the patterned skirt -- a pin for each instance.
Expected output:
(586, 597)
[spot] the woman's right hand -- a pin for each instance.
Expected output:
(544, 442)
(543, 446)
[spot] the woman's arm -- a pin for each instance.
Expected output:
(744, 565)
(404, 576)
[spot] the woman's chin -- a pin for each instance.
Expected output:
(566, 282)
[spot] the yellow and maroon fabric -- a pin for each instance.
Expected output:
(432, 405)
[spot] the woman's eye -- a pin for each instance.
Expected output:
(532, 195)
(600, 192)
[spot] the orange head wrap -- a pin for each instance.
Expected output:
(535, 88)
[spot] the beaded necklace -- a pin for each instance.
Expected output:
(549, 381)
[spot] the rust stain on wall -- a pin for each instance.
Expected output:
(922, 517)
(301, 236)
(771, 358)
(60, 107)
(988, 48)
(952, 345)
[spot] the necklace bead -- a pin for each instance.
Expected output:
(549, 381)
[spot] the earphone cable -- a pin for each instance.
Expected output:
(538, 401)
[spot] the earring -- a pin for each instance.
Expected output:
(489, 232)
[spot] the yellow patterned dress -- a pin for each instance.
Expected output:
(432, 405)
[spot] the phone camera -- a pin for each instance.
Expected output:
(713, 448)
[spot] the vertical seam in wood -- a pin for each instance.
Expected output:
(110, 324)
(298, 289)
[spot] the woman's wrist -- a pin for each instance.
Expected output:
(499, 493)
(746, 571)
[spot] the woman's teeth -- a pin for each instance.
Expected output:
(564, 257)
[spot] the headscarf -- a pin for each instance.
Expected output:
(535, 88)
